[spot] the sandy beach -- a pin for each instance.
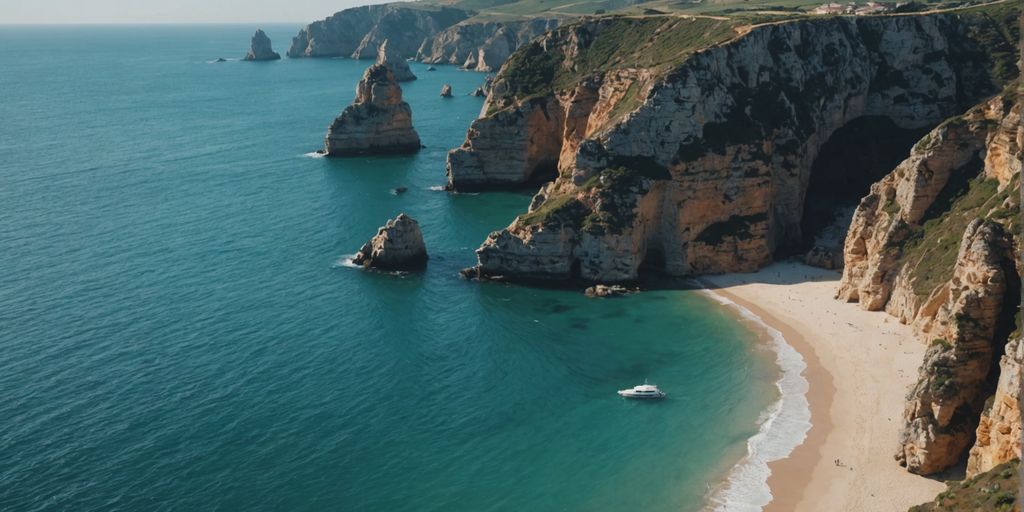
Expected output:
(859, 365)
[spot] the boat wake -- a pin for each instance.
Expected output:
(782, 427)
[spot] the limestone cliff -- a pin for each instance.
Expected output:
(358, 32)
(377, 122)
(998, 437)
(260, 48)
(935, 244)
(687, 144)
(482, 46)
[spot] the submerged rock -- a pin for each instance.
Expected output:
(431, 68)
(446, 91)
(260, 48)
(377, 122)
(601, 290)
(398, 66)
(398, 245)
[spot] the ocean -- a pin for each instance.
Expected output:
(178, 329)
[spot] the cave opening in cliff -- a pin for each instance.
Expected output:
(857, 155)
(653, 262)
(576, 269)
(543, 172)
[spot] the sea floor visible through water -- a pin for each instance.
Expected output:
(177, 332)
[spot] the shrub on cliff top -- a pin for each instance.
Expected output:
(995, 489)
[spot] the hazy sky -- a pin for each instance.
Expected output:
(170, 11)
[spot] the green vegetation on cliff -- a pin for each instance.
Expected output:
(932, 248)
(653, 44)
(994, 490)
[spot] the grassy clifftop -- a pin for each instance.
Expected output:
(660, 43)
(653, 43)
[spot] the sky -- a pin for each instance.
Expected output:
(170, 11)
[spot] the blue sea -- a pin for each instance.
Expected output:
(178, 329)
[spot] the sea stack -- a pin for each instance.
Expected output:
(260, 48)
(446, 91)
(377, 122)
(395, 63)
(398, 245)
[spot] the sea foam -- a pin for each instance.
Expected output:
(345, 260)
(782, 427)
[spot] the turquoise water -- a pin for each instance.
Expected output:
(177, 333)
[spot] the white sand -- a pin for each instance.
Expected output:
(860, 365)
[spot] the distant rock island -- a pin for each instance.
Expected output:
(398, 245)
(260, 48)
(377, 122)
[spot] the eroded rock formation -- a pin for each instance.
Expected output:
(998, 437)
(377, 122)
(699, 162)
(482, 46)
(398, 66)
(431, 34)
(260, 49)
(935, 244)
(446, 91)
(358, 32)
(398, 245)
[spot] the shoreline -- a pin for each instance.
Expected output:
(858, 367)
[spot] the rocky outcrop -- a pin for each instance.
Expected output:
(446, 91)
(485, 89)
(398, 66)
(359, 32)
(998, 437)
(377, 122)
(944, 406)
(605, 291)
(398, 245)
(260, 48)
(482, 46)
(934, 244)
(698, 162)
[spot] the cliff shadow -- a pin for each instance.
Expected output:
(857, 155)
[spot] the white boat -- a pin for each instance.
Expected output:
(644, 390)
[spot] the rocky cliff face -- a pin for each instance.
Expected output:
(260, 48)
(482, 46)
(358, 32)
(692, 153)
(378, 121)
(998, 437)
(398, 245)
(431, 34)
(398, 66)
(935, 244)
